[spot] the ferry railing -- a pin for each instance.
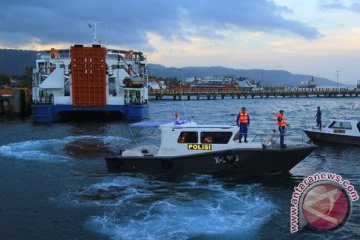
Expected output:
(46, 99)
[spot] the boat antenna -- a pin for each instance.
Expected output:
(184, 110)
(106, 35)
(183, 104)
(93, 27)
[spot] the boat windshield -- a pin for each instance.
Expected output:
(188, 137)
(205, 137)
(342, 125)
(147, 124)
(326, 124)
(215, 137)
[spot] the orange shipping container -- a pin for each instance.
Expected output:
(88, 71)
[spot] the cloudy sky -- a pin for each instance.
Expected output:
(315, 37)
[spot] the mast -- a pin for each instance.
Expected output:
(93, 27)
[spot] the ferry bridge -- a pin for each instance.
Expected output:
(221, 93)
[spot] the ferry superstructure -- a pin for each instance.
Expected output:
(89, 78)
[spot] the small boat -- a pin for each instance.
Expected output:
(245, 82)
(336, 130)
(207, 149)
(214, 82)
(308, 84)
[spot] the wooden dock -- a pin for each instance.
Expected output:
(181, 94)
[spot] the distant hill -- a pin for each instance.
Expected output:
(267, 77)
(13, 62)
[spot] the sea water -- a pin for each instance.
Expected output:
(54, 183)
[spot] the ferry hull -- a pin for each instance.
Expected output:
(230, 162)
(43, 113)
(334, 138)
(136, 111)
(51, 113)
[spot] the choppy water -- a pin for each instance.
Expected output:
(54, 183)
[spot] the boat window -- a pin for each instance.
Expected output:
(236, 137)
(342, 125)
(188, 137)
(358, 126)
(215, 137)
(326, 123)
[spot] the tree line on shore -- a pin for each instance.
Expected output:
(19, 81)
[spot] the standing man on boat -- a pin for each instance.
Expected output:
(318, 118)
(281, 122)
(243, 121)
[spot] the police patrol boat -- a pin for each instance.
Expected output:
(337, 130)
(208, 149)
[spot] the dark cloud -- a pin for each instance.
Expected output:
(125, 22)
(331, 4)
(353, 5)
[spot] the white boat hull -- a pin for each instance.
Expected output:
(331, 137)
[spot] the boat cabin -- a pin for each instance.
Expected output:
(189, 138)
(342, 126)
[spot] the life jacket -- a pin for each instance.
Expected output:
(282, 123)
(243, 117)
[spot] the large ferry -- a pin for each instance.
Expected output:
(308, 84)
(89, 79)
(225, 81)
(216, 81)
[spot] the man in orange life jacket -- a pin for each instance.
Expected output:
(281, 122)
(243, 121)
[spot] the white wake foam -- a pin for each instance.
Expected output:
(166, 210)
(49, 150)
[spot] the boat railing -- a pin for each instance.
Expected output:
(303, 137)
(270, 136)
(266, 138)
(260, 136)
(46, 99)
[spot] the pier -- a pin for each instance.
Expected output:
(14, 101)
(237, 93)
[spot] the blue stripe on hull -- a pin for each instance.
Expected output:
(51, 113)
(136, 112)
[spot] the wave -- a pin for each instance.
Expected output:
(56, 150)
(143, 208)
